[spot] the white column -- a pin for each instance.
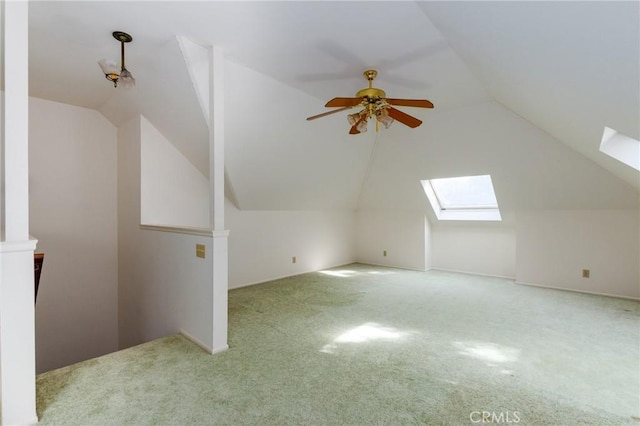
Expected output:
(17, 324)
(216, 179)
(17, 334)
(15, 121)
(220, 290)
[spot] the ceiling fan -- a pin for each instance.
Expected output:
(374, 103)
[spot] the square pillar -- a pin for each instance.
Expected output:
(216, 179)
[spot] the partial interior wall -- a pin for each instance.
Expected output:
(173, 191)
(262, 244)
(72, 202)
(485, 248)
(163, 288)
(407, 239)
(547, 248)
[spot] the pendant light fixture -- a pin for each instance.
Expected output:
(110, 67)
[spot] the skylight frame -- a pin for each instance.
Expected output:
(621, 147)
(468, 211)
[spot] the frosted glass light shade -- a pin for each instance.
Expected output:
(362, 126)
(108, 66)
(386, 121)
(353, 118)
(383, 117)
(126, 80)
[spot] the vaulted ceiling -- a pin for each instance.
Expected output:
(522, 91)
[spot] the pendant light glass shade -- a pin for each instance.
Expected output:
(110, 70)
(126, 79)
(108, 66)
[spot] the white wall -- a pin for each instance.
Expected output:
(72, 163)
(174, 192)
(262, 243)
(555, 246)
(401, 233)
(163, 287)
(486, 248)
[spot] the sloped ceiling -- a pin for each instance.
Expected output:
(570, 68)
(529, 168)
(522, 91)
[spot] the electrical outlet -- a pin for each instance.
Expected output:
(294, 259)
(384, 253)
(200, 250)
(586, 273)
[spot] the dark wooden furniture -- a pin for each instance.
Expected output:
(38, 258)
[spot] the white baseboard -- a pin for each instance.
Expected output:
(197, 341)
(617, 296)
(474, 273)
(218, 350)
(32, 421)
(405, 268)
(204, 346)
(288, 276)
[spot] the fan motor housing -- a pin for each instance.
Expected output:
(371, 93)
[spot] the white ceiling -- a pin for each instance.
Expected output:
(554, 73)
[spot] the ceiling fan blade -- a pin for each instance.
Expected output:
(418, 103)
(313, 117)
(405, 119)
(343, 102)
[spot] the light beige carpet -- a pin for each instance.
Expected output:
(363, 345)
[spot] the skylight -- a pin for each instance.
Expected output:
(621, 147)
(463, 198)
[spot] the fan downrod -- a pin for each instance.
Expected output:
(371, 93)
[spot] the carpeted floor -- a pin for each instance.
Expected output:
(363, 345)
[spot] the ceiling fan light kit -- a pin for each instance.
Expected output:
(374, 103)
(361, 126)
(110, 67)
(382, 115)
